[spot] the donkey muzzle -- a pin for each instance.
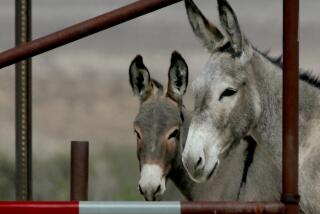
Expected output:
(152, 182)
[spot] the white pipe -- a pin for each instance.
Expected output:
(129, 207)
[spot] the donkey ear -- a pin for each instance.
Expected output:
(178, 77)
(231, 25)
(209, 35)
(140, 78)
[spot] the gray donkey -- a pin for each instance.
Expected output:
(239, 94)
(161, 127)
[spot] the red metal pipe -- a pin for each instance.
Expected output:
(290, 105)
(39, 207)
(232, 208)
(81, 30)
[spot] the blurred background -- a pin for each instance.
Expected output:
(81, 90)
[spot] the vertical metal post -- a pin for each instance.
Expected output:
(290, 194)
(79, 170)
(23, 105)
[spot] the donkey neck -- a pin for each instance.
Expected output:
(268, 130)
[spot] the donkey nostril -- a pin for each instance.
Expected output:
(199, 162)
(158, 189)
(140, 190)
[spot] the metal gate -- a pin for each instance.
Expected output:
(25, 50)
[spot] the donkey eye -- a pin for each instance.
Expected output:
(174, 134)
(227, 93)
(137, 134)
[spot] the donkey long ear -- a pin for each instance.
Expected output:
(231, 25)
(178, 77)
(209, 35)
(140, 78)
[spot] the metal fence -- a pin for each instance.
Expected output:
(25, 50)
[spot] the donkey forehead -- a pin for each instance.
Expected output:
(158, 112)
(221, 70)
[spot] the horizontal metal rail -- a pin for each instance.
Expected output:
(141, 208)
(81, 30)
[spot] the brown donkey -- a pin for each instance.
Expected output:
(161, 127)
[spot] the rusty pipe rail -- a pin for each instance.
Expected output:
(290, 108)
(125, 207)
(232, 208)
(81, 30)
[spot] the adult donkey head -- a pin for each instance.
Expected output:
(158, 123)
(227, 104)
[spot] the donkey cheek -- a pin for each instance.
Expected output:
(139, 153)
(171, 148)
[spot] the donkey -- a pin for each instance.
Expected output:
(239, 94)
(161, 128)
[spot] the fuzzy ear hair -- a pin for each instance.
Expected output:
(178, 77)
(209, 35)
(231, 26)
(140, 80)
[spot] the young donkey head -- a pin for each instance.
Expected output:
(158, 123)
(227, 104)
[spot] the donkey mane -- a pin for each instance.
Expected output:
(304, 75)
(310, 78)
